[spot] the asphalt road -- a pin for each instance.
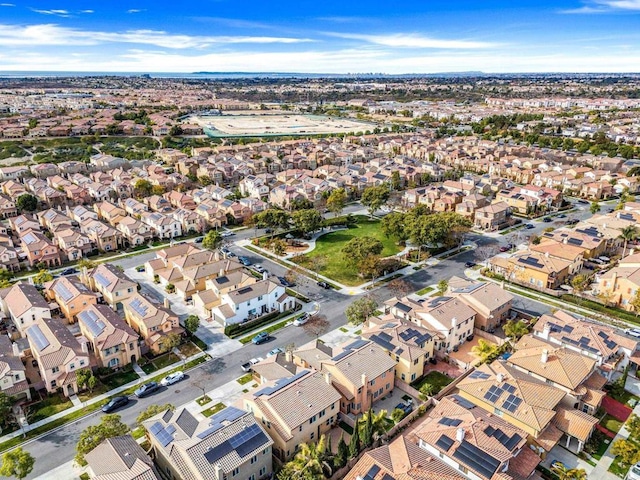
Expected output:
(58, 447)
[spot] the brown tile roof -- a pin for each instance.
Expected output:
(575, 423)
(120, 458)
(23, 296)
(549, 437)
(564, 367)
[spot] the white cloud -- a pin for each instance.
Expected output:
(7, 5)
(54, 12)
(136, 10)
(621, 4)
(401, 40)
(605, 6)
(51, 34)
(87, 11)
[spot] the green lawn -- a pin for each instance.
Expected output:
(245, 379)
(331, 244)
(50, 405)
(437, 379)
(120, 378)
(160, 362)
(425, 290)
(611, 424)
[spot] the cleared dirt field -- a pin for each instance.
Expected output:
(271, 125)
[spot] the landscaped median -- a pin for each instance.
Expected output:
(270, 329)
(57, 420)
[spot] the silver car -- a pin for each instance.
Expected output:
(633, 473)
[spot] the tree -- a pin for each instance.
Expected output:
(372, 425)
(212, 240)
(86, 263)
(142, 187)
(360, 310)
(292, 276)
(443, 286)
(627, 451)
(627, 234)
(307, 221)
(169, 342)
(485, 252)
(157, 190)
(580, 283)
(317, 263)
(110, 426)
(278, 246)
(317, 325)
(342, 456)
(594, 208)
(396, 181)
(358, 248)
(336, 201)
(428, 389)
(397, 415)
(392, 225)
(375, 197)
(484, 350)
(272, 218)
(83, 376)
(633, 426)
(27, 203)
(153, 410)
(17, 463)
(354, 443)
(369, 266)
(312, 462)
(399, 287)
(191, 323)
(42, 277)
(91, 383)
(515, 330)
(6, 407)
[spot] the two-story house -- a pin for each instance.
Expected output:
(151, 321)
(71, 295)
(122, 458)
(25, 306)
(114, 285)
(13, 380)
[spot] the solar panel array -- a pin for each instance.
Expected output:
(29, 238)
(581, 345)
(92, 322)
(476, 459)
(139, 307)
(512, 403)
(62, 291)
(444, 443)
(382, 342)
(463, 402)
(38, 337)
(220, 419)
(371, 474)
(507, 387)
(607, 341)
(248, 440)
(450, 422)
(403, 307)
(280, 384)
(349, 348)
(386, 476)
(187, 422)
(567, 328)
(493, 393)
(507, 441)
(418, 338)
(101, 280)
(530, 261)
(479, 375)
(163, 435)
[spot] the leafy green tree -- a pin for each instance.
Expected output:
(396, 181)
(312, 461)
(594, 208)
(342, 456)
(212, 240)
(633, 426)
(307, 221)
(142, 187)
(360, 310)
(635, 302)
(17, 463)
(110, 426)
(169, 342)
(27, 203)
(358, 248)
(443, 286)
(191, 323)
(515, 330)
(354, 443)
(397, 415)
(153, 410)
(6, 408)
(272, 218)
(278, 246)
(628, 234)
(484, 350)
(627, 451)
(428, 389)
(336, 201)
(375, 197)
(580, 282)
(83, 377)
(86, 263)
(393, 226)
(372, 426)
(42, 277)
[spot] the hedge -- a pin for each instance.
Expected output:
(237, 329)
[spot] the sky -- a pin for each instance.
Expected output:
(320, 36)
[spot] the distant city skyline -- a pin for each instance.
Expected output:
(493, 36)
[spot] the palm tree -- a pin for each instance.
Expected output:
(561, 471)
(376, 420)
(312, 461)
(484, 350)
(578, 474)
(515, 330)
(627, 234)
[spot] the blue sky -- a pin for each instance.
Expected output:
(321, 36)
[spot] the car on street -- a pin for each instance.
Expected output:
(231, 255)
(573, 221)
(284, 282)
(246, 367)
(470, 264)
(172, 378)
(556, 464)
(69, 271)
(529, 226)
(198, 240)
(227, 234)
(115, 403)
(147, 389)
(260, 338)
(225, 250)
(584, 202)
(275, 351)
(324, 285)
(634, 472)
(562, 215)
(547, 219)
(505, 248)
(244, 261)
(301, 320)
(633, 332)
(268, 230)
(259, 268)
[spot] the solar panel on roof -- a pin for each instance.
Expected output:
(463, 402)
(554, 327)
(137, 306)
(476, 459)
(220, 419)
(493, 394)
(373, 471)
(35, 334)
(511, 403)
(283, 382)
(155, 428)
(508, 388)
(603, 335)
(513, 441)
(479, 375)
(610, 344)
(161, 434)
(444, 443)
(62, 291)
(92, 322)
(388, 477)
(450, 422)
(403, 307)
(567, 328)
(187, 422)
(248, 440)
(29, 238)
(101, 280)
(385, 336)
(216, 453)
(584, 340)
(383, 343)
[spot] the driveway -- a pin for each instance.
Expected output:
(569, 459)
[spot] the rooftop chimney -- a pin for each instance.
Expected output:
(460, 434)
(364, 379)
(288, 356)
(545, 356)
(166, 303)
(327, 377)
(500, 377)
(216, 255)
(265, 275)
(546, 331)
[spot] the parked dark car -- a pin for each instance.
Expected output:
(244, 261)
(529, 226)
(433, 361)
(562, 215)
(547, 219)
(284, 282)
(147, 389)
(115, 403)
(260, 338)
(584, 202)
(404, 407)
(69, 271)
(324, 285)
(470, 264)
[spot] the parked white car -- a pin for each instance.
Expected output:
(172, 378)
(304, 318)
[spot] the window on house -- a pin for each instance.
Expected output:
(53, 384)
(55, 369)
(254, 459)
(235, 471)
